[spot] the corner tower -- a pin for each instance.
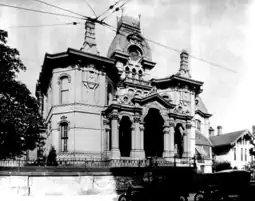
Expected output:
(132, 56)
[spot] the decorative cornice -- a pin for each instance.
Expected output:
(205, 115)
(50, 113)
(180, 116)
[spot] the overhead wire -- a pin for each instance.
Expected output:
(43, 2)
(109, 8)
(44, 25)
(91, 8)
(173, 49)
(112, 28)
(116, 9)
(44, 12)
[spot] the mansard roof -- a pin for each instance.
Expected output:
(127, 34)
(201, 109)
(228, 138)
(202, 140)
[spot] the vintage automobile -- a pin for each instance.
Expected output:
(170, 183)
(224, 185)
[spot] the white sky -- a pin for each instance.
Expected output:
(221, 31)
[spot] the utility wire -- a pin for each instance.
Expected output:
(172, 49)
(43, 2)
(110, 8)
(45, 25)
(116, 9)
(91, 8)
(39, 11)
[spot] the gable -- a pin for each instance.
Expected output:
(154, 100)
(228, 138)
(154, 104)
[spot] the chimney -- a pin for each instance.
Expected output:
(219, 130)
(89, 44)
(184, 65)
(211, 131)
(253, 129)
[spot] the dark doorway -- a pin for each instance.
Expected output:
(153, 134)
(178, 139)
(125, 136)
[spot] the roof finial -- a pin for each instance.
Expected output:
(122, 11)
(184, 66)
(89, 44)
(139, 17)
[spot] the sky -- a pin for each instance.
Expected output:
(219, 31)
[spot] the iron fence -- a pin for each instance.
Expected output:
(97, 163)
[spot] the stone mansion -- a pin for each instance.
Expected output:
(105, 107)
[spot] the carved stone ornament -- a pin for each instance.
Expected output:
(188, 125)
(105, 121)
(181, 108)
(153, 90)
(114, 116)
(92, 78)
(141, 126)
(166, 129)
(171, 124)
(137, 119)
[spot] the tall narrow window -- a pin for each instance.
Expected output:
(245, 154)
(198, 124)
(64, 90)
(64, 136)
(234, 153)
(241, 154)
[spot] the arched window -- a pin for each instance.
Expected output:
(64, 136)
(134, 52)
(64, 90)
(109, 94)
(133, 72)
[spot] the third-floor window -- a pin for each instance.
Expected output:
(64, 90)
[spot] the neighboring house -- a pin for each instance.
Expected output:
(233, 147)
(203, 144)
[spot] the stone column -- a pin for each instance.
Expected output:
(166, 130)
(187, 139)
(106, 137)
(137, 150)
(115, 152)
(142, 136)
(171, 137)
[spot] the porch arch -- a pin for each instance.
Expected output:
(153, 133)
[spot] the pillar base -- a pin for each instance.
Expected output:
(115, 154)
(137, 154)
(166, 154)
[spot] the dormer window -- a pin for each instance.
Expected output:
(134, 52)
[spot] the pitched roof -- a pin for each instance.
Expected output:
(201, 139)
(228, 138)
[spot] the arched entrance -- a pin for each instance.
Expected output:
(125, 136)
(179, 133)
(153, 134)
